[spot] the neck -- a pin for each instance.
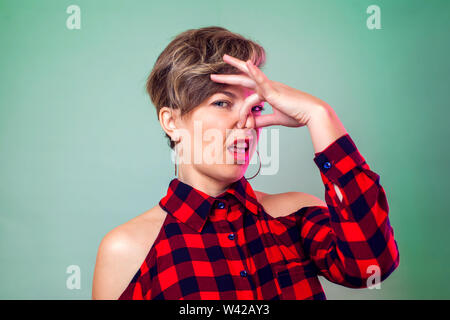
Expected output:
(207, 184)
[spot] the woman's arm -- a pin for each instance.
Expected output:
(114, 265)
(352, 237)
(324, 127)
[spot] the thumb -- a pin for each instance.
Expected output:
(266, 120)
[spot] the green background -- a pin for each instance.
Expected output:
(81, 150)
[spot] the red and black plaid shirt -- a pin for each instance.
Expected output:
(228, 247)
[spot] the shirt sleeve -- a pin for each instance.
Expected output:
(351, 239)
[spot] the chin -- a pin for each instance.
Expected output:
(230, 172)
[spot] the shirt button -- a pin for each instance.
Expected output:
(221, 205)
(327, 165)
(231, 236)
(243, 273)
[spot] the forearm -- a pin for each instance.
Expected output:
(324, 127)
(354, 234)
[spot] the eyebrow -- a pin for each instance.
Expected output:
(228, 93)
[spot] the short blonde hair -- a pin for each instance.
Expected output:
(180, 78)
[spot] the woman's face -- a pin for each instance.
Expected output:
(208, 135)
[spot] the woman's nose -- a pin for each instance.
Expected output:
(249, 121)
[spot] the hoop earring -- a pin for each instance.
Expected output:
(176, 167)
(176, 158)
(258, 168)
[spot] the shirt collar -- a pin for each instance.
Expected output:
(192, 206)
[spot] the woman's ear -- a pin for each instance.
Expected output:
(168, 119)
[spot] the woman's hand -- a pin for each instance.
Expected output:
(291, 107)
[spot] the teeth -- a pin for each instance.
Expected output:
(238, 150)
(242, 145)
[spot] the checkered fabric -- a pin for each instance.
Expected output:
(228, 247)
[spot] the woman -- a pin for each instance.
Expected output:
(212, 236)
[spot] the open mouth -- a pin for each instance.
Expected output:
(240, 147)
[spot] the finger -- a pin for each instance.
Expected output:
(260, 78)
(265, 120)
(241, 65)
(234, 79)
(257, 74)
(276, 119)
(249, 103)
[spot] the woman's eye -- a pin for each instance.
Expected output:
(221, 101)
(258, 108)
(254, 109)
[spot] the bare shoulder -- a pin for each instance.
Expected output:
(282, 204)
(122, 251)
